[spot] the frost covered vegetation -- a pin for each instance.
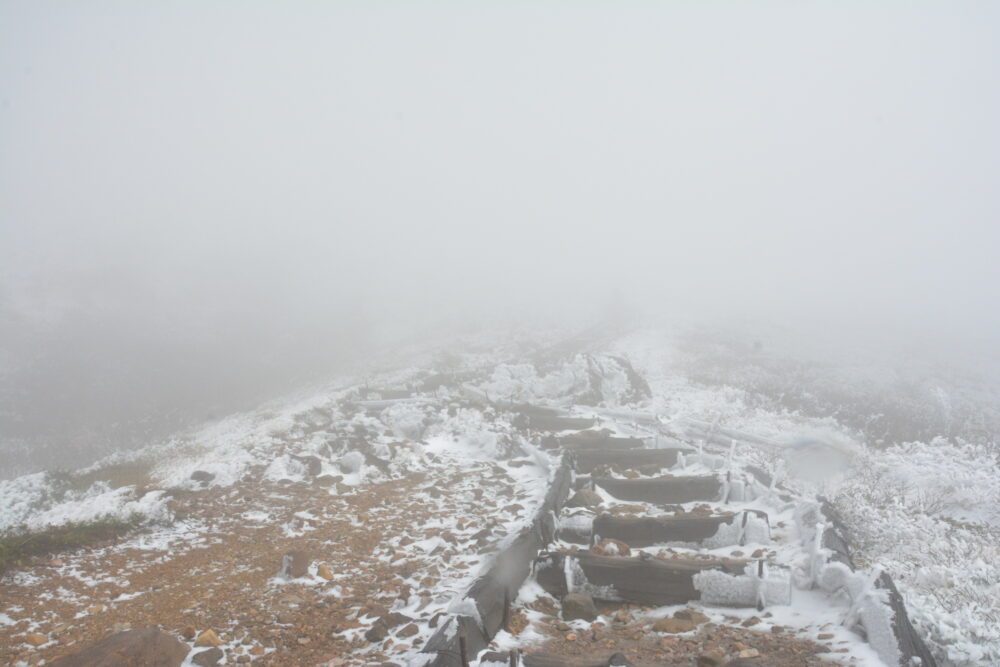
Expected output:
(921, 497)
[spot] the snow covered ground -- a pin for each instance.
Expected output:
(925, 511)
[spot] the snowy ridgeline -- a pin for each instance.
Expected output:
(929, 513)
(339, 433)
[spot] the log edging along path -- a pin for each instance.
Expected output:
(465, 634)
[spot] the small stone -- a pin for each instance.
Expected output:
(243, 659)
(750, 622)
(749, 653)
(188, 632)
(257, 650)
(208, 638)
(673, 625)
(409, 630)
(571, 637)
(36, 639)
(285, 618)
(759, 553)
(777, 629)
(824, 635)
(578, 605)
(303, 641)
(323, 571)
(208, 658)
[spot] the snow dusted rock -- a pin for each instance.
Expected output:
(380, 630)
(313, 466)
(585, 498)
(691, 615)
(578, 605)
(294, 564)
(352, 461)
(329, 480)
(143, 646)
(611, 547)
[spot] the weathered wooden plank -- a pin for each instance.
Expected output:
(651, 581)
(446, 643)
(586, 459)
(646, 531)
(584, 440)
(664, 490)
(493, 592)
(541, 422)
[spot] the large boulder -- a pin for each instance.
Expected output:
(150, 647)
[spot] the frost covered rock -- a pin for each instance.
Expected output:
(352, 461)
(578, 605)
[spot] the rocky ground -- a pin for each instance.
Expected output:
(407, 543)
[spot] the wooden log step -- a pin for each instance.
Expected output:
(642, 580)
(589, 458)
(602, 440)
(666, 490)
(647, 531)
(542, 422)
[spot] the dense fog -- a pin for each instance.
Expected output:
(203, 205)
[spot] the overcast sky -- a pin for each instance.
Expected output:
(238, 173)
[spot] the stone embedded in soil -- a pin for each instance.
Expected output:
(711, 659)
(381, 627)
(329, 480)
(143, 646)
(202, 476)
(294, 564)
(208, 638)
(208, 658)
(323, 571)
(578, 605)
(36, 639)
(673, 625)
(691, 615)
(409, 630)
(584, 498)
(188, 632)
